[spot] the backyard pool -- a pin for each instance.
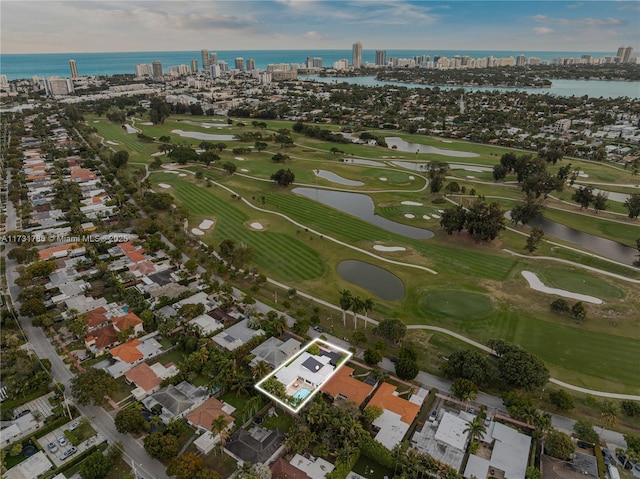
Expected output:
(301, 394)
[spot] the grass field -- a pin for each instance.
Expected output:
(478, 291)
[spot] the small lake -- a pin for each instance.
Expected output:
(600, 246)
(205, 124)
(333, 178)
(361, 206)
(407, 147)
(409, 165)
(378, 280)
(203, 136)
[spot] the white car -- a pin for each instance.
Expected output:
(74, 425)
(52, 446)
(62, 441)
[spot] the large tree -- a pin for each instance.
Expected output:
(161, 445)
(91, 385)
(453, 219)
(464, 389)
(485, 221)
(469, 365)
(391, 329)
(185, 466)
(521, 369)
(633, 205)
(283, 177)
(558, 444)
(96, 466)
(583, 196)
(130, 420)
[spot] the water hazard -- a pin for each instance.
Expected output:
(378, 280)
(362, 206)
(334, 178)
(398, 144)
(203, 136)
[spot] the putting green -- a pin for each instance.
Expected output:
(580, 282)
(456, 304)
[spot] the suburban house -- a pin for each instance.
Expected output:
(236, 335)
(176, 401)
(445, 439)
(397, 415)
(147, 379)
(255, 445)
(342, 385)
(206, 324)
(275, 351)
(509, 454)
(132, 352)
(202, 417)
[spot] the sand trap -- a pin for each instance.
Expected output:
(146, 123)
(244, 170)
(197, 231)
(158, 153)
(96, 121)
(256, 226)
(435, 216)
(112, 142)
(536, 284)
(471, 177)
(447, 141)
(382, 178)
(206, 224)
(440, 211)
(409, 215)
(411, 203)
(172, 172)
(164, 185)
(412, 177)
(389, 248)
(582, 174)
(182, 174)
(130, 129)
(426, 217)
(239, 158)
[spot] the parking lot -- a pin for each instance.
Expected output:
(61, 449)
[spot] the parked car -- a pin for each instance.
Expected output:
(67, 453)
(23, 413)
(471, 410)
(487, 421)
(433, 415)
(62, 441)
(74, 425)
(606, 456)
(394, 359)
(52, 446)
(320, 329)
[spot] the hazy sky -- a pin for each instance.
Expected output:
(49, 26)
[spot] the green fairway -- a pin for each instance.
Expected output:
(579, 281)
(456, 304)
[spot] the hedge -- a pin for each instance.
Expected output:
(600, 461)
(71, 437)
(342, 469)
(375, 451)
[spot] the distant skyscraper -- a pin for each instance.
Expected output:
(74, 68)
(251, 64)
(317, 62)
(157, 70)
(356, 55)
(625, 54)
(240, 64)
(205, 59)
(381, 58)
(55, 86)
(214, 71)
(143, 70)
(521, 60)
(194, 65)
(224, 66)
(213, 59)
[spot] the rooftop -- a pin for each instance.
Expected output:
(343, 384)
(386, 399)
(203, 415)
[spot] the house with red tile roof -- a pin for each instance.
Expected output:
(397, 415)
(343, 385)
(100, 339)
(281, 469)
(135, 254)
(96, 318)
(130, 320)
(56, 251)
(147, 379)
(82, 174)
(202, 416)
(128, 352)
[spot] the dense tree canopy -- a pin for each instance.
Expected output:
(469, 365)
(283, 177)
(557, 444)
(91, 385)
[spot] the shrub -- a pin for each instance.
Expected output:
(560, 306)
(561, 399)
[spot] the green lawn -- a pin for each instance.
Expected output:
(282, 421)
(456, 304)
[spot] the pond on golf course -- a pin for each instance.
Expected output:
(361, 206)
(398, 144)
(335, 178)
(379, 281)
(203, 136)
(601, 246)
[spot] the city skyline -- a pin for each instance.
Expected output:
(320, 24)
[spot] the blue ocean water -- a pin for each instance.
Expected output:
(17, 66)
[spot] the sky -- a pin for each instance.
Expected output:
(49, 26)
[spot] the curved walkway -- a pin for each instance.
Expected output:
(631, 397)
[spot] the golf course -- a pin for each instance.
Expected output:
(373, 204)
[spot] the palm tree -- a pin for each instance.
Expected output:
(261, 369)
(280, 324)
(219, 428)
(367, 306)
(345, 304)
(476, 429)
(610, 411)
(357, 305)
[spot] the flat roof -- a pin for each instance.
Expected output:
(451, 431)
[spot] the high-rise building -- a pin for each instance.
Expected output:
(214, 71)
(213, 59)
(157, 69)
(205, 59)
(74, 68)
(143, 70)
(381, 58)
(625, 54)
(194, 65)
(239, 64)
(356, 55)
(55, 86)
(317, 62)
(251, 64)
(521, 60)
(224, 66)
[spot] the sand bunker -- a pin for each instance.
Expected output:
(206, 224)
(256, 226)
(197, 231)
(470, 176)
(146, 123)
(182, 174)
(382, 178)
(426, 217)
(389, 248)
(239, 158)
(537, 285)
(409, 215)
(158, 153)
(582, 174)
(164, 185)
(244, 170)
(440, 211)
(412, 177)
(435, 216)
(411, 203)
(112, 142)
(96, 121)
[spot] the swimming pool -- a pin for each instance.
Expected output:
(301, 393)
